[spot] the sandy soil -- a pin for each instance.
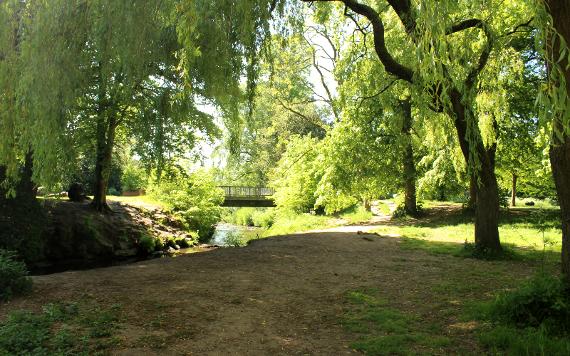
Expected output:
(280, 296)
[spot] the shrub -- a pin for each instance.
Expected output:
(183, 242)
(113, 191)
(234, 240)
(158, 245)
(543, 301)
(263, 218)
(147, 244)
(244, 216)
(14, 278)
(193, 198)
(134, 177)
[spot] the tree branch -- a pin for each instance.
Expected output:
(362, 99)
(390, 64)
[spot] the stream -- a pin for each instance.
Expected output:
(230, 235)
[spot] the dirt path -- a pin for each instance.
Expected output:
(280, 296)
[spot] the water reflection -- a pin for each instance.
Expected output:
(229, 235)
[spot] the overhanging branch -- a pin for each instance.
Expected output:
(391, 65)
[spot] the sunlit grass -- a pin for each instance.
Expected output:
(357, 214)
(141, 201)
(288, 223)
(527, 232)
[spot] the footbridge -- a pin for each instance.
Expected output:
(248, 196)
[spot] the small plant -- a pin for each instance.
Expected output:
(531, 320)
(182, 242)
(234, 240)
(158, 245)
(543, 301)
(147, 244)
(14, 278)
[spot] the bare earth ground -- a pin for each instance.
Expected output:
(283, 295)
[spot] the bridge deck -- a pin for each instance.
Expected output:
(248, 196)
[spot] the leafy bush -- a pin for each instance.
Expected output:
(401, 211)
(182, 242)
(543, 301)
(14, 278)
(193, 198)
(134, 177)
(263, 218)
(147, 244)
(113, 191)
(244, 216)
(234, 240)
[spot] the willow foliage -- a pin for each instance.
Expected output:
(63, 62)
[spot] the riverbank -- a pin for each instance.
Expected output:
(292, 294)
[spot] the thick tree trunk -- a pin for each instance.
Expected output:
(105, 143)
(560, 149)
(514, 190)
(485, 185)
(410, 202)
(487, 207)
(560, 161)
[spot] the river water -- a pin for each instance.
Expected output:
(234, 235)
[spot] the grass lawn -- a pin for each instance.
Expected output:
(289, 223)
(528, 232)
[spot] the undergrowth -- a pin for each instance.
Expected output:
(533, 319)
(60, 329)
(14, 278)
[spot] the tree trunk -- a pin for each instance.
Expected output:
(367, 205)
(410, 202)
(560, 148)
(483, 182)
(514, 191)
(105, 142)
(487, 208)
(560, 161)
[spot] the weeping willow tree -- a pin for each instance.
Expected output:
(553, 16)
(83, 65)
(453, 42)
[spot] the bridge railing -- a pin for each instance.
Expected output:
(247, 192)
